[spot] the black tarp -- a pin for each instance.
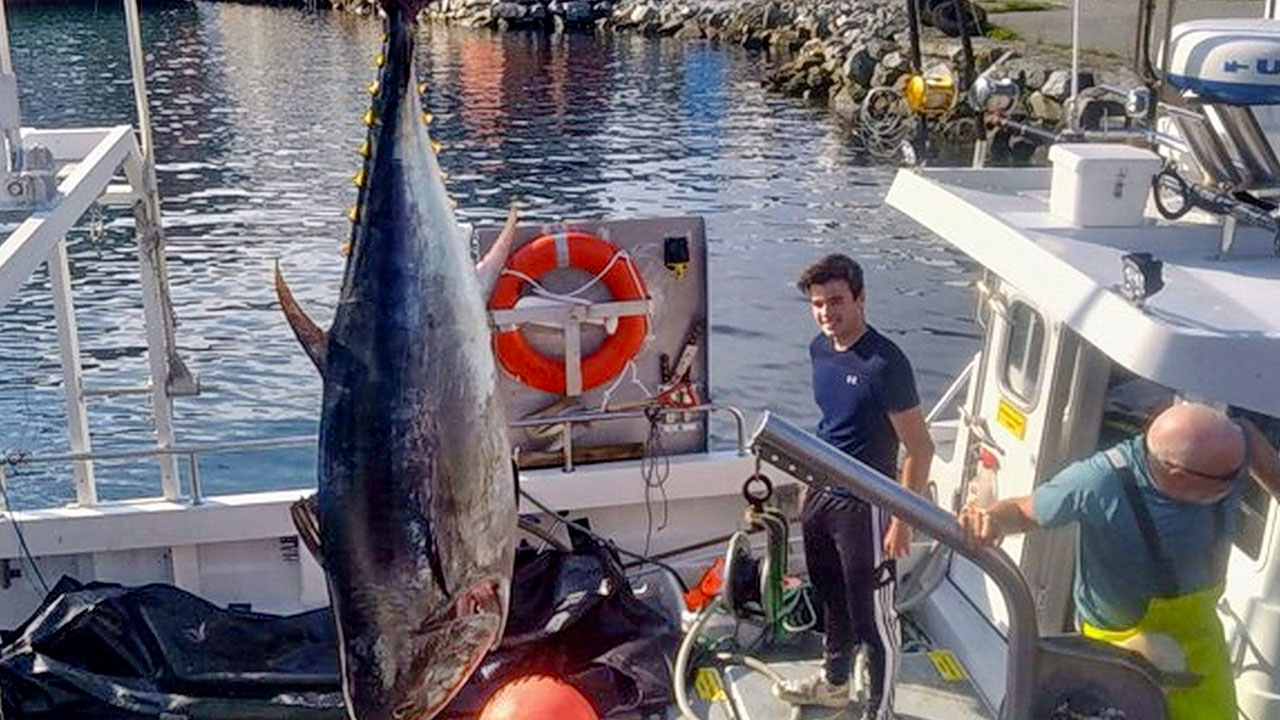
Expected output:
(108, 651)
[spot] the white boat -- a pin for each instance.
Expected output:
(1082, 334)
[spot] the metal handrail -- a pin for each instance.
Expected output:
(814, 462)
(961, 381)
(739, 419)
(193, 451)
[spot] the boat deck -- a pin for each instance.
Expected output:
(922, 693)
(931, 685)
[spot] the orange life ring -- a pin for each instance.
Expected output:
(589, 254)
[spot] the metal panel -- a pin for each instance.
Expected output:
(679, 310)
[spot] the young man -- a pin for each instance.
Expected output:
(866, 391)
(1168, 499)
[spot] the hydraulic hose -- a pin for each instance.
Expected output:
(682, 660)
(682, 664)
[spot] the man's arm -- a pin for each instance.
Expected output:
(1264, 464)
(987, 526)
(913, 433)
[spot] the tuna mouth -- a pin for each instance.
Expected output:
(451, 651)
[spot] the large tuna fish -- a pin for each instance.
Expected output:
(416, 500)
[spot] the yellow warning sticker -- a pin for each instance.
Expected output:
(948, 666)
(708, 686)
(1011, 419)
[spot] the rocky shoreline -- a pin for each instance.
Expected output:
(852, 55)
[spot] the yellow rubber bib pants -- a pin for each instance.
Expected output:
(1192, 622)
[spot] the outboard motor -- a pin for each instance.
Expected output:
(1224, 69)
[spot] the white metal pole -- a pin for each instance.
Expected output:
(6, 63)
(1074, 111)
(150, 237)
(9, 114)
(72, 374)
(138, 67)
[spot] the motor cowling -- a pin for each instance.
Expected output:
(1236, 62)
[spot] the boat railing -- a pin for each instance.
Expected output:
(961, 383)
(804, 457)
(90, 158)
(191, 453)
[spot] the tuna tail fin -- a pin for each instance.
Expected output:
(314, 340)
(411, 8)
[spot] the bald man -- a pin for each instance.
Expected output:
(1156, 515)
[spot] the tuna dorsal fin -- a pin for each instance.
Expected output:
(313, 339)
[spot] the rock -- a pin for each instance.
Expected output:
(845, 104)
(508, 11)
(859, 66)
(1044, 108)
(886, 75)
(643, 14)
(577, 11)
(1032, 75)
(1058, 84)
(775, 17)
(948, 16)
(817, 79)
(795, 86)
(878, 48)
(784, 39)
(690, 31)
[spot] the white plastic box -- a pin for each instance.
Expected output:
(1100, 184)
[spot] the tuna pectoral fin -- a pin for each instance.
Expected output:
(447, 656)
(306, 520)
(313, 339)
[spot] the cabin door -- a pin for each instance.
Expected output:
(1038, 405)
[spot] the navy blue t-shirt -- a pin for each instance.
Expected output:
(856, 390)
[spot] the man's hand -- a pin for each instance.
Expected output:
(988, 526)
(979, 527)
(897, 539)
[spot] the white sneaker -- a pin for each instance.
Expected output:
(813, 690)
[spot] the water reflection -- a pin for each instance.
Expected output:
(257, 117)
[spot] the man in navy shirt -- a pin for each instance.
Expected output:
(867, 393)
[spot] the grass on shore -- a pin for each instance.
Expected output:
(1011, 6)
(1003, 33)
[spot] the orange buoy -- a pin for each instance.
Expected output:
(593, 255)
(537, 697)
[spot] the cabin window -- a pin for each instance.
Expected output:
(1251, 525)
(1251, 520)
(1023, 351)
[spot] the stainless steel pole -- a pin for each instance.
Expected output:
(806, 458)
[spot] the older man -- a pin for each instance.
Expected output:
(1156, 514)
